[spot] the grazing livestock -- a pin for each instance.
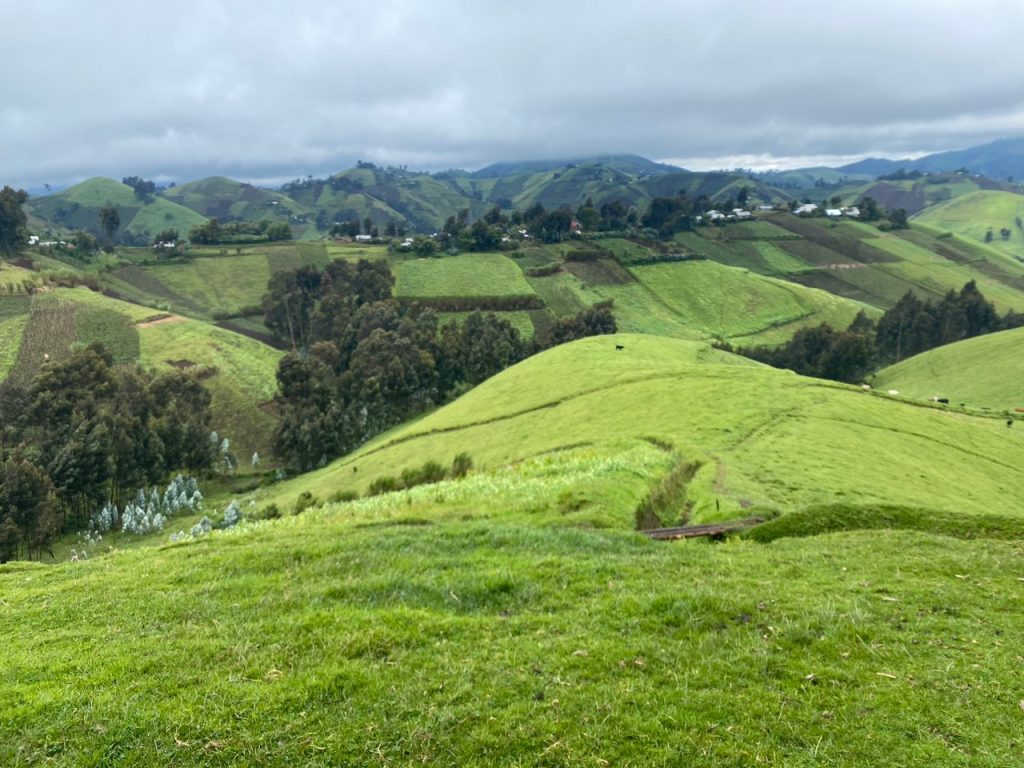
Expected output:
(894, 391)
(865, 387)
(1009, 422)
(943, 401)
(620, 347)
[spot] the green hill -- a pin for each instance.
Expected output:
(229, 200)
(986, 371)
(239, 372)
(78, 208)
(761, 437)
(975, 215)
(514, 617)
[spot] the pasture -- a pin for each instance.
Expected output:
(512, 617)
(465, 275)
(764, 438)
(986, 371)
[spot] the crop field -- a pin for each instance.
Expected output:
(733, 303)
(975, 214)
(114, 330)
(475, 274)
(752, 230)
(564, 293)
(221, 284)
(14, 316)
(50, 332)
(986, 371)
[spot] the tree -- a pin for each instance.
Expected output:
(110, 221)
(13, 222)
(869, 209)
(898, 219)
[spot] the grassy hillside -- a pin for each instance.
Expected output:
(229, 200)
(762, 437)
(974, 215)
(238, 371)
(78, 208)
(513, 618)
(987, 371)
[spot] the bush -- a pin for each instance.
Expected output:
(431, 472)
(461, 465)
(304, 502)
(342, 496)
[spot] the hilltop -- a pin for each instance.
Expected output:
(141, 218)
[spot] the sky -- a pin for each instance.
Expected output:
(268, 91)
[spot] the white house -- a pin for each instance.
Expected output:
(833, 212)
(363, 238)
(853, 211)
(806, 209)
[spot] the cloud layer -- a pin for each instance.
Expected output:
(263, 90)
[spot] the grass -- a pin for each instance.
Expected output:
(974, 214)
(222, 284)
(738, 304)
(473, 274)
(486, 622)
(48, 334)
(113, 329)
(764, 438)
(14, 317)
(983, 371)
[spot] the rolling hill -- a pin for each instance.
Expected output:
(514, 615)
(986, 371)
(975, 215)
(78, 208)
(758, 437)
(224, 199)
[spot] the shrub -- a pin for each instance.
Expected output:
(342, 496)
(461, 465)
(304, 502)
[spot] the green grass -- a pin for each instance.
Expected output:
(471, 274)
(738, 304)
(490, 622)
(113, 329)
(222, 284)
(973, 215)
(764, 438)
(564, 293)
(14, 317)
(983, 371)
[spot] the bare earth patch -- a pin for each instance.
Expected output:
(149, 322)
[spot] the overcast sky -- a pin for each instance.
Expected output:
(272, 90)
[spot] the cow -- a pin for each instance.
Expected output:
(942, 400)
(1009, 422)
(620, 347)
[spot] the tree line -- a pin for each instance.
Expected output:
(86, 432)
(215, 233)
(362, 361)
(910, 327)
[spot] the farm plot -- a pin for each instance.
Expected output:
(14, 315)
(473, 275)
(114, 330)
(221, 285)
(49, 334)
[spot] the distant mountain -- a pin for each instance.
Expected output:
(875, 166)
(632, 164)
(998, 160)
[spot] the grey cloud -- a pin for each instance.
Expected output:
(271, 90)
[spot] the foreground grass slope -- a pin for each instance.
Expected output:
(762, 437)
(986, 371)
(477, 623)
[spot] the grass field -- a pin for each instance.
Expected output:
(221, 284)
(521, 321)
(471, 274)
(738, 304)
(973, 215)
(983, 371)
(764, 438)
(512, 618)
(14, 316)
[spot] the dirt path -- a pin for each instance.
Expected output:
(160, 320)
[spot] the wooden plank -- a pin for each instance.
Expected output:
(708, 529)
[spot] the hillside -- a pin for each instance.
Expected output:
(239, 372)
(975, 215)
(986, 371)
(514, 617)
(228, 200)
(78, 208)
(761, 437)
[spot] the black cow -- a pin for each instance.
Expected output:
(619, 347)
